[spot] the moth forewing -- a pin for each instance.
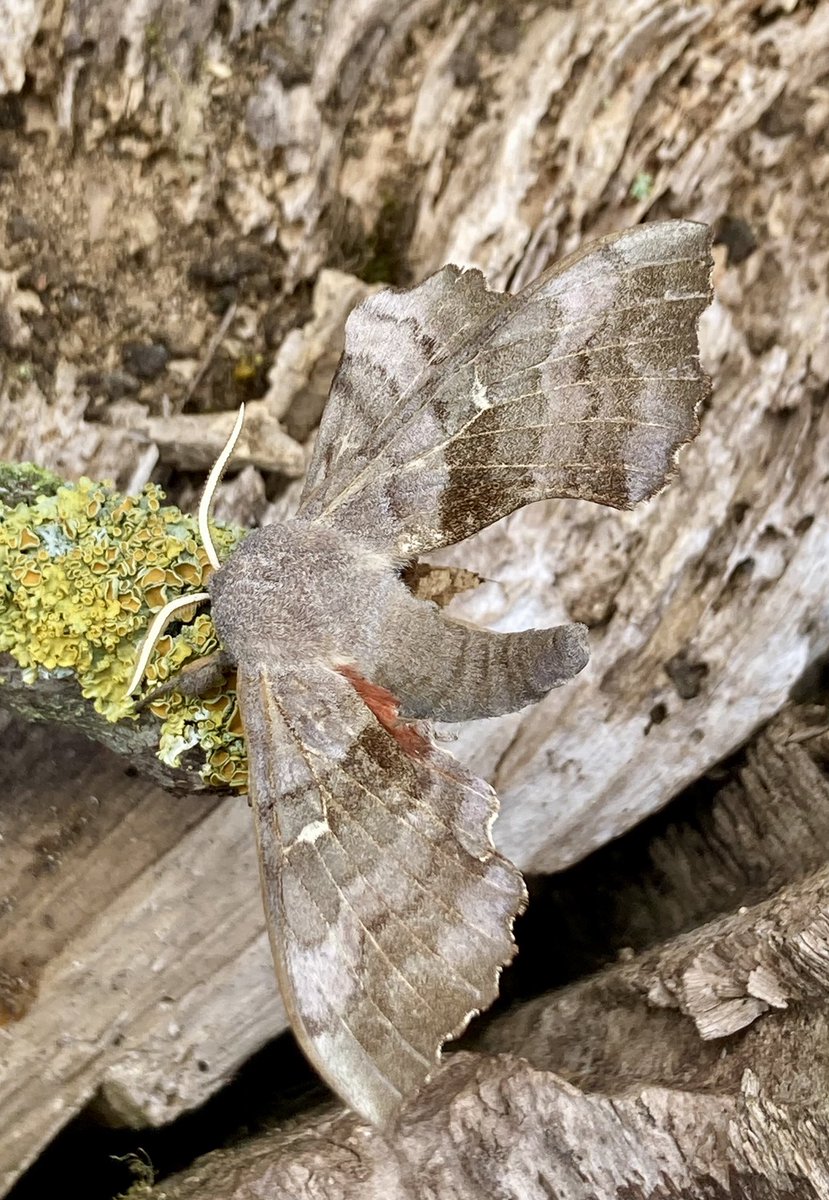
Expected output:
(389, 911)
(584, 385)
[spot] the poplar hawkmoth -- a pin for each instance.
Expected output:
(390, 911)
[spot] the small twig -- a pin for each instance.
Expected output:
(210, 353)
(143, 470)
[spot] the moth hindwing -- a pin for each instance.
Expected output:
(390, 910)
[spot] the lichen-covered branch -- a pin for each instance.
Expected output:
(83, 569)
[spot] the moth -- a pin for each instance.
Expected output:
(390, 912)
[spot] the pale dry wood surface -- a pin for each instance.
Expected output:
(135, 966)
(630, 1082)
(407, 134)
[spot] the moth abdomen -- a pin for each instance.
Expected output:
(449, 670)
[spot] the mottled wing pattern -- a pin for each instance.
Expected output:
(390, 913)
(454, 405)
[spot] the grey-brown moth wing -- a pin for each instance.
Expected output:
(390, 913)
(453, 405)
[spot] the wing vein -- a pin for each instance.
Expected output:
(438, 850)
(413, 463)
(587, 352)
(466, 983)
(296, 738)
(626, 421)
(331, 797)
(435, 847)
(566, 466)
(352, 974)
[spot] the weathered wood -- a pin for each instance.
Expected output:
(694, 1068)
(742, 880)
(160, 165)
(501, 1127)
(133, 960)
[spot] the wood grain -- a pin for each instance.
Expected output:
(421, 133)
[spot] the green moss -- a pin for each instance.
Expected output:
(83, 569)
(24, 482)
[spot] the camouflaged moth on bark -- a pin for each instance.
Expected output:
(390, 911)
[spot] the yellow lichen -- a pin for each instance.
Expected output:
(82, 572)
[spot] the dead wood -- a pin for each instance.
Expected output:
(135, 966)
(152, 175)
(693, 1068)
(706, 606)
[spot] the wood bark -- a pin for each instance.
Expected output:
(163, 168)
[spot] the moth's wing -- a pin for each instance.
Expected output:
(453, 405)
(390, 913)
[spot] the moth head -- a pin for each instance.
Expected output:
(163, 617)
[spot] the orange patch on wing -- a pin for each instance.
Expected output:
(385, 707)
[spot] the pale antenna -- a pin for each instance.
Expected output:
(162, 618)
(216, 472)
